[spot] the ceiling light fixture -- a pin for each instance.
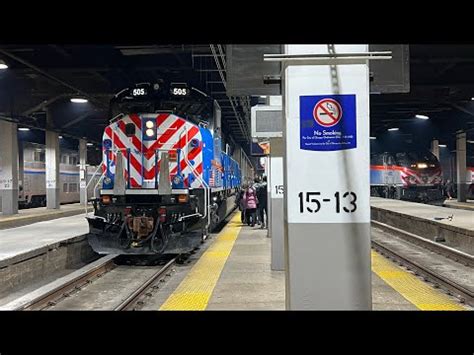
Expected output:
(442, 145)
(393, 129)
(422, 117)
(90, 144)
(79, 100)
(23, 129)
(373, 137)
(3, 65)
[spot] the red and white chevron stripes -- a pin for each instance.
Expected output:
(173, 133)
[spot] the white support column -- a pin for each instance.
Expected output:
(83, 171)
(461, 168)
(52, 170)
(326, 181)
(9, 167)
(275, 206)
(435, 148)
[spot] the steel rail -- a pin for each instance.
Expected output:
(133, 298)
(453, 288)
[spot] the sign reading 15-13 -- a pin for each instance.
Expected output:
(328, 123)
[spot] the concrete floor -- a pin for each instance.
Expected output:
(39, 214)
(462, 218)
(24, 239)
(247, 283)
(468, 205)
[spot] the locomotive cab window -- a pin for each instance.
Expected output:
(72, 160)
(39, 156)
(130, 129)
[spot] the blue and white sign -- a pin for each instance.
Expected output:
(328, 122)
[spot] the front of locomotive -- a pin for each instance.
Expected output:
(421, 175)
(152, 199)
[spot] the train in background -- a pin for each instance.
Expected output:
(166, 180)
(410, 175)
(32, 178)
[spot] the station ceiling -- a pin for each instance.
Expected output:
(441, 81)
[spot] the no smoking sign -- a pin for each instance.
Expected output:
(328, 123)
(327, 112)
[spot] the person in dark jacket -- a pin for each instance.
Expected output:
(240, 203)
(262, 202)
(449, 189)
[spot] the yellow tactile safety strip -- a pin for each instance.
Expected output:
(410, 287)
(194, 292)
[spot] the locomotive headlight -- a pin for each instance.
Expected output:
(176, 179)
(149, 124)
(107, 180)
(149, 132)
(422, 165)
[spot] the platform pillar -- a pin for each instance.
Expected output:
(326, 181)
(52, 170)
(435, 148)
(461, 168)
(83, 171)
(275, 206)
(9, 167)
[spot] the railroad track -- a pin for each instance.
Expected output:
(131, 301)
(453, 287)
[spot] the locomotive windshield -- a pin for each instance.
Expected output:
(409, 158)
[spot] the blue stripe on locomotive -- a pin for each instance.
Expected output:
(207, 153)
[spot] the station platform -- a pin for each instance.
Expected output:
(40, 252)
(468, 205)
(234, 274)
(453, 227)
(39, 214)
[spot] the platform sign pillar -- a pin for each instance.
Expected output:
(8, 168)
(83, 171)
(275, 207)
(52, 170)
(461, 168)
(326, 181)
(435, 148)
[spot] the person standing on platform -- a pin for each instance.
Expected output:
(239, 201)
(250, 202)
(449, 189)
(262, 202)
(256, 187)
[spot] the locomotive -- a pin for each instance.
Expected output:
(166, 182)
(408, 175)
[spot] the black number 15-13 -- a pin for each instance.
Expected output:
(310, 202)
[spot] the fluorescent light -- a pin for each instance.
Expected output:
(79, 100)
(90, 144)
(3, 65)
(422, 117)
(60, 137)
(472, 142)
(373, 137)
(23, 129)
(442, 145)
(393, 129)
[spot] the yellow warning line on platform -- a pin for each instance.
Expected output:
(410, 287)
(194, 292)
